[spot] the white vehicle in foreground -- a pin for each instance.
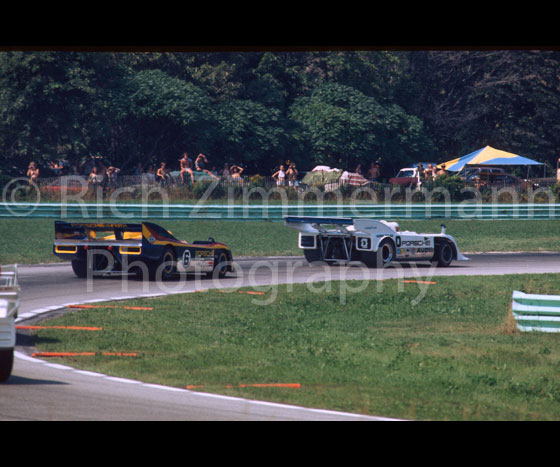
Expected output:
(375, 243)
(9, 302)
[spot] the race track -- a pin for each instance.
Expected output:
(44, 390)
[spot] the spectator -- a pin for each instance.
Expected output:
(226, 174)
(112, 173)
(33, 173)
(434, 171)
(358, 169)
(95, 179)
(292, 174)
(280, 176)
(56, 167)
(236, 172)
(139, 170)
(373, 172)
(150, 174)
(441, 171)
(186, 167)
(162, 177)
(428, 172)
(200, 165)
(74, 169)
(88, 166)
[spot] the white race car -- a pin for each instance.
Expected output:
(9, 302)
(373, 242)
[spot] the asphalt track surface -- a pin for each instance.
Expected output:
(44, 390)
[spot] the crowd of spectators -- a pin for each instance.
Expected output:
(101, 173)
(431, 172)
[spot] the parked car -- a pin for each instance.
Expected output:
(469, 172)
(487, 179)
(407, 177)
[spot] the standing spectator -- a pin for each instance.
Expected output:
(95, 179)
(428, 172)
(358, 169)
(88, 166)
(373, 172)
(150, 175)
(280, 176)
(33, 173)
(441, 171)
(186, 167)
(236, 172)
(292, 174)
(74, 169)
(434, 171)
(226, 174)
(161, 175)
(139, 170)
(112, 173)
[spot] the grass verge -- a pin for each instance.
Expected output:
(28, 241)
(454, 356)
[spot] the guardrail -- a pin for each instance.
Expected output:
(536, 312)
(273, 212)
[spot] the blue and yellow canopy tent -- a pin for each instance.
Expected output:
(487, 156)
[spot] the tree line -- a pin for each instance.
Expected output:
(261, 109)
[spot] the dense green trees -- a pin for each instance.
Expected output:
(260, 109)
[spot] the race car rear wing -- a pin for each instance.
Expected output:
(291, 220)
(68, 236)
(343, 225)
(96, 232)
(310, 224)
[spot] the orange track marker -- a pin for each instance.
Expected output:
(120, 354)
(421, 282)
(63, 354)
(271, 385)
(74, 328)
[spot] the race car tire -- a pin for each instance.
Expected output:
(443, 253)
(220, 267)
(6, 363)
(382, 257)
(79, 267)
(312, 256)
(165, 268)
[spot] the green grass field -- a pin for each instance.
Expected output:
(454, 356)
(28, 241)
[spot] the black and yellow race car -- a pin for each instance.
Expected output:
(145, 249)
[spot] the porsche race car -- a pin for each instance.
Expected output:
(145, 249)
(376, 243)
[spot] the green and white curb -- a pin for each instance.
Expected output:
(536, 312)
